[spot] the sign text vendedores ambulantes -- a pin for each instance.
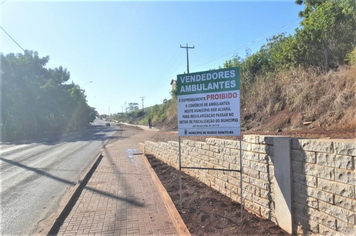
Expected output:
(216, 80)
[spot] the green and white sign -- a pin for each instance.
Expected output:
(209, 103)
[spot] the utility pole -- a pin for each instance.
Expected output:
(186, 47)
(142, 98)
(179, 154)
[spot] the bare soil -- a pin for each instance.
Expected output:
(165, 136)
(206, 211)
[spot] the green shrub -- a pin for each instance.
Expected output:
(351, 58)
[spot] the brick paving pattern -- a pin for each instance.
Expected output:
(120, 198)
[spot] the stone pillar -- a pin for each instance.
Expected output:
(283, 182)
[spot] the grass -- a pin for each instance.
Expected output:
(294, 96)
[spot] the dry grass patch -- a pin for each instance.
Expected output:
(306, 95)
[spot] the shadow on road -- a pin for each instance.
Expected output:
(48, 175)
(94, 132)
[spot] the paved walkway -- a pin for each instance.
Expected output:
(122, 197)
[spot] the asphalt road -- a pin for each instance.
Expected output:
(35, 175)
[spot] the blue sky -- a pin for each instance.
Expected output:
(131, 49)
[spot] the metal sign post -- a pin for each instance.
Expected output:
(180, 175)
(242, 208)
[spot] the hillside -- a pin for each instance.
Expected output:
(304, 103)
(303, 100)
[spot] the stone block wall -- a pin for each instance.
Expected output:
(323, 177)
(324, 185)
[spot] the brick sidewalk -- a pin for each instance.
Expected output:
(122, 198)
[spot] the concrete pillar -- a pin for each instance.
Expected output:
(283, 182)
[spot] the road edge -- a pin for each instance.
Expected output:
(51, 222)
(177, 219)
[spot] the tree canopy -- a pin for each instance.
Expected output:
(132, 106)
(326, 39)
(327, 34)
(36, 100)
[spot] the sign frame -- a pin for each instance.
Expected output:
(222, 88)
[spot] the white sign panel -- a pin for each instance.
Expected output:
(209, 103)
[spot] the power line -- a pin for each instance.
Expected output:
(172, 61)
(180, 63)
(3, 2)
(11, 37)
(254, 41)
(167, 71)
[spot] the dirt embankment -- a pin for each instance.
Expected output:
(303, 103)
(165, 136)
(302, 99)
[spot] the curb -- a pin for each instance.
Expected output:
(51, 225)
(177, 220)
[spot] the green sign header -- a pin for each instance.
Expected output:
(209, 81)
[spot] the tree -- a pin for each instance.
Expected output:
(35, 100)
(132, 106)
(326, 36)
(328, 32)
(310, 5)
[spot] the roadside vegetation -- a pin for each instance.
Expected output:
(305, 78)
(308, 78)
(36, 101)
(161, 115)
